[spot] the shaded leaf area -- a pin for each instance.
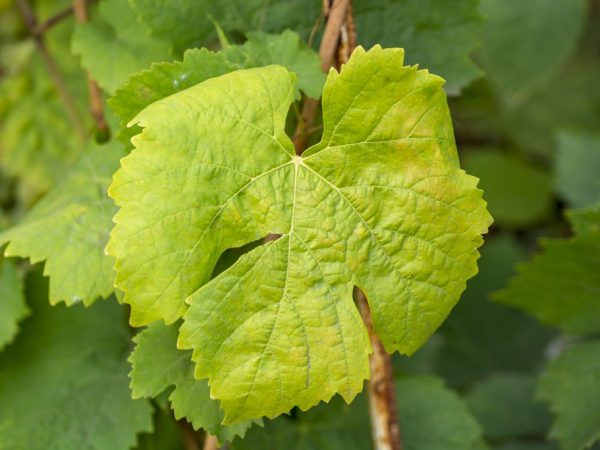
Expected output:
(432, 418)
(68, 229)
(519, 102)
(188, 23)
(505, 406)
(71, 392)
(560, 285)
(437, 35)
(481, 337)
(570, 386)
(516, 65)
(577, 168)
(113, 44)
(158, 366)
(518, 193)
(261, 49)
(282, 316)
(13, 308)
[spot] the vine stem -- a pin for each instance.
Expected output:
(95, 95)
(210, 442)
(385, 430)
(34, 29)
(190, 439)
(337, 44)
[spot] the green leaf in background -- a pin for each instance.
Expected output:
(285, 49)
(482, 337)
(518, 194)
(261, 49)
(526, 42)
(578, 168)
(432, 417)
(13, 308)
(570, 385)
(185, 24)
(157, 365)
(114, 44)
(437, 35)
(560, 285)
(504, 406)
(69, 229)
(63, 383)
(280, 328)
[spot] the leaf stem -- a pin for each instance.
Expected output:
(68, 102)
(95, 95)
(210, 442)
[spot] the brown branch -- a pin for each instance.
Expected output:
(95, 94)
(68, 102)
(190, 438)
(210, 442)
(385, 430)
(55, 19)
(329, 44)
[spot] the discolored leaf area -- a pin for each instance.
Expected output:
(279, 328)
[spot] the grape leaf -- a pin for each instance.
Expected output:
(157, 365)
(432, 417)
(504, 406)
(63, 383)
(518, 194)
(437, 35)
(577, 168)
(261, 49)
(279, 328)
(114, 44)
(187, 23)
(285, 49)
(559, 286)
(69, 228)
(570, 385)
(13, 308)
(515, 65)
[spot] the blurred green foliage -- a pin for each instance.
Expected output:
(514, 367)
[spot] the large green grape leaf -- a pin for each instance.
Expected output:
(570, 385)
(518, 193)
(63, 383)
(114, 44)
(432, 417)
(559, 286)
(504, 406)
(261, 49)
(69, 229)
(517, 65)
(437, 35)
(157, 365)
(577, 168)
(213, 169)
(13, 308)
(188, 23)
